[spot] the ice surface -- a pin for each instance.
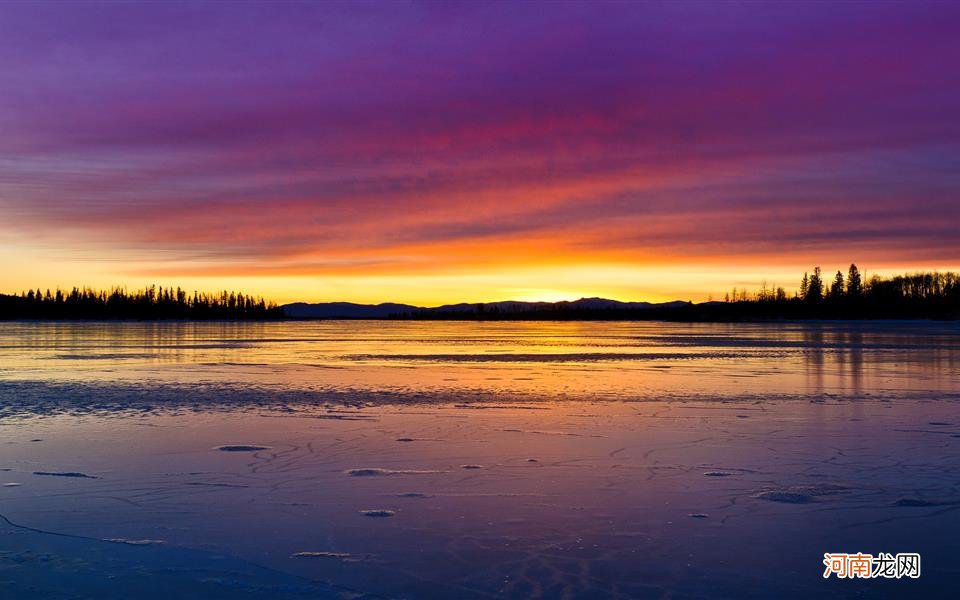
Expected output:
(609, 477)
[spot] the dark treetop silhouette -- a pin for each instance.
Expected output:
(149, 303)
(911, 296)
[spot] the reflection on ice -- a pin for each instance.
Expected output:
(326, 460)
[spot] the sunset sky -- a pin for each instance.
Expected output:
(435, 152)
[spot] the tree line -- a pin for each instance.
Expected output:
(850, 295)
(814, 289)
(149, 303)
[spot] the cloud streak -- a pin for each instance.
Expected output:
(319, 139)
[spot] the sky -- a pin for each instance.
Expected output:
(438, 152)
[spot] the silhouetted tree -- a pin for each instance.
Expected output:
(854, 283)
(836, 289)
(815, 287)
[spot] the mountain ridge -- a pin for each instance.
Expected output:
(352, 310)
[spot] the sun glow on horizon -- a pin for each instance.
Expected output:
(532, 282)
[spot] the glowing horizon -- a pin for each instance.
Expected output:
(430, 154)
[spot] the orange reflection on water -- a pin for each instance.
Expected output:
(622, 360)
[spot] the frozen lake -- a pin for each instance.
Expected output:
(474, 460)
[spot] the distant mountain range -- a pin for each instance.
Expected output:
(349, 310)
